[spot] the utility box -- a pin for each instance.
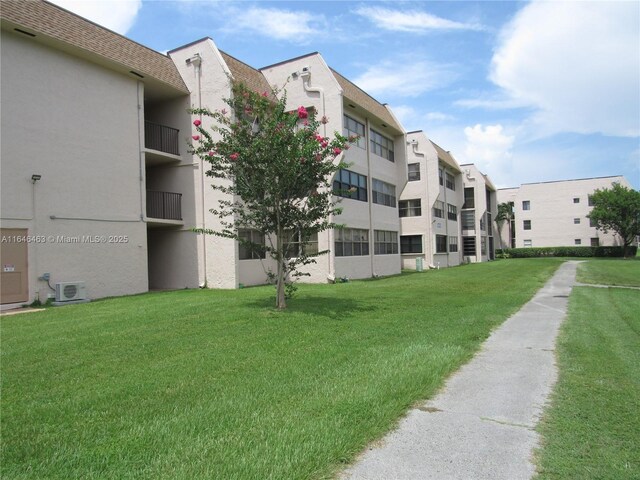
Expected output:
(419, 264)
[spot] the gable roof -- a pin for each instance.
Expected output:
(242, 72)
(71, 30)
(351, 91)
(446, 158)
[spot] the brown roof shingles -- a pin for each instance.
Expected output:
(51, 21)
(240, 71)
(366, 101)
(446, 157)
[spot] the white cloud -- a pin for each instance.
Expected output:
(116, 15)
(490, 149)
(412, 119)
(404, 77)
(576, 63)
(414, 21)
(295, 26)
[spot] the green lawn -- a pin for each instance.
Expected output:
(592, 430)
(610, 272)
(217, 384)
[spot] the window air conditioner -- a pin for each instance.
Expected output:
(67, 291)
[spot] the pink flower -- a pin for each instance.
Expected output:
(302, 112)
(196, 137)
(265, 94)
(324, 144)
(319, 137)
(223, 111)
(318, 157)
(305, 123)
(197, 123)
(336, 151)
(211, 153)
(233, 157)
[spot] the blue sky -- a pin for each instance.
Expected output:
(528, 91)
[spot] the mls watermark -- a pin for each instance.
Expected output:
(64, 239)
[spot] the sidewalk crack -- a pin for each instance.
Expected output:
(510, 424)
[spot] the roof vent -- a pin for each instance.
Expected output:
(28, 34)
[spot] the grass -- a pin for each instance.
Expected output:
(610, 272)
(217, 384)
(592, 429)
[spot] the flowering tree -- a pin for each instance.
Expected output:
(279, 170)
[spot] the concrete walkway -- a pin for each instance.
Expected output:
(481, 425)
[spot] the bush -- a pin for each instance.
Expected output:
(534, 252)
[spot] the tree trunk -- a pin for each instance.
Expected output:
(281, 302)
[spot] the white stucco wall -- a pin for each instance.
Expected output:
(77, 125)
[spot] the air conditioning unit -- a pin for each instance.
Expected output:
(68, 291)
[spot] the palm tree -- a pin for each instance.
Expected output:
(505, 214)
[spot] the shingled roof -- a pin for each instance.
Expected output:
(446, 157)
(48, 20)
(242, 72)
(366, 101)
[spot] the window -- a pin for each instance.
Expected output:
(577, 241)
(383, 193)
(469, 246)
(353, 127)
(526, 224)
(590, 200)
(595, 242)
(453, 244)
(441, 176)
(483, 225)
(576, 200)
(483, 245)
(382, 146)
(469, 198)
(592, 223)
(411, 244)
(414, 172)
(385, 243)
(526, 205)
(451, 183)
(576, 221)
(247, 251)
(468, 218)
(438, 209)
(295, 247)
(411, 208)
(441, 244)
(349, 184)
(351, 242)
(452, 212)
(527, 243)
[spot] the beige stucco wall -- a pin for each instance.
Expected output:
(217, 257)
(472, 177)
(552, 212)
(77, 125)
(356, 214)
(429, 190)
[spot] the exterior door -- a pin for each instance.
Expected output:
(14, 281)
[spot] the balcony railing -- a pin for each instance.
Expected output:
(165, 205)
(160, 137)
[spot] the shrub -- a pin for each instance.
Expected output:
(534, 252)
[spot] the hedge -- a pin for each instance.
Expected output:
(531, 252)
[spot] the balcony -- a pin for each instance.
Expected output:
(164, 209)
(161, 144)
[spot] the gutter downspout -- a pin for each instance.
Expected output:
(370, 197)
(414, 144)
(306, 85)
(196, 61)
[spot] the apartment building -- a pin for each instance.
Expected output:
(92, 163)
(368, 245)
(98, 186)
(553, 214)
(478, 211)
(430, 205)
